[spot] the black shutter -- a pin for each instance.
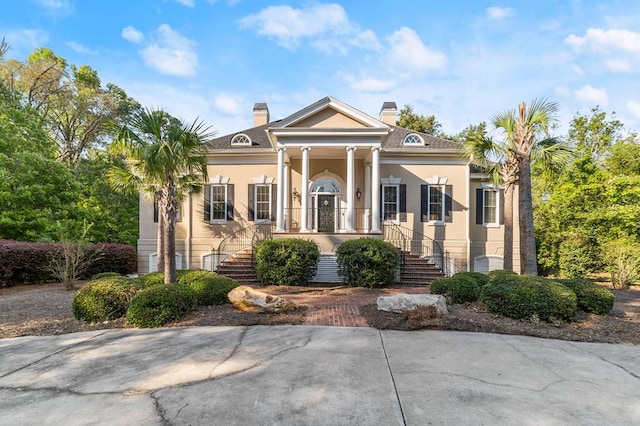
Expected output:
(403, 202)
(479, 206)
(274, 201)
(230, 201)
(380, 198)
(251, 203)
(207, 203)
(500, 207)
(424, 203)
(155, 209)
(448, 203)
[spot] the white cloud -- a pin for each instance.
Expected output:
(59, 7)
(407, 51)
(606, 41)
(577, 69)
(131, 34)
(27, 39)
(618, 65)
(228, 104)
(634, 108)
(170, 53)
(562, 91)
(327, 26)
(188, 3)
(593, 96)
(499, 12)
(369, 84)
(80, 48)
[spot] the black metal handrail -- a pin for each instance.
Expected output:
(244, 238)
(263, 231)
(414, 242)
(361, 219)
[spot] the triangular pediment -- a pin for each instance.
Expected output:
(329, 113)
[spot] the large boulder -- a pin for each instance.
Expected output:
(402, 302)
(248, 299)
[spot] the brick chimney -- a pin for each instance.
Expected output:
(388, 113)
(260, 114)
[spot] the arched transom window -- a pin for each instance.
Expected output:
(413, 139)
(326, 185)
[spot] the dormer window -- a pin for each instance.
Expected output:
(241, 140)
(413, 139)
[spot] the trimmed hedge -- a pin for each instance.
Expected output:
(368, 262)
(152, 278)
(157, 305)
(591, 296)
(461, 287)
(523, 297)
(286, 261)
(104, 299)
(28, 262)
(187, 276)
(213, 290)
(105, 275)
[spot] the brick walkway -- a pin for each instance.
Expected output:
(339, 307)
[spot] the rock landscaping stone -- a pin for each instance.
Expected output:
(248, 299)
(402, 302)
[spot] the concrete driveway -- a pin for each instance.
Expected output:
(304, 375)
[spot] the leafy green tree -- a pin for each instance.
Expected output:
(418, 122)
(162, 151)
(36, 191)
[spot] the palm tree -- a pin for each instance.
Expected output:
(169, 158)
(499, 161)
(509, 162)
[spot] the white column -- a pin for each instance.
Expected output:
(375, 191)
(304, 202)
(367, 196)
(279, 192)
(350, 187)
(285, 196)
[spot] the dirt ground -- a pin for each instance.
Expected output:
(46, 310)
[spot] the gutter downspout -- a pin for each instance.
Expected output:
(188, 239)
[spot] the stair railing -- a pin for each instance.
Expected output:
(241, 239)
(262, 231)
(414, 242)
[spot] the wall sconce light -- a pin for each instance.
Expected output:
(358, 194)
(296, 194)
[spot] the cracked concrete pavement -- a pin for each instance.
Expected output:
(305, 375)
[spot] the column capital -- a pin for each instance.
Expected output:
(351, 148)
(305, 148)
(376, 148)
(282, 148)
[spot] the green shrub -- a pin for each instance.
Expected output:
(159, 304)
(213, 290)
(500, 273)
(105, 275)
(591, 296)
(440, 286)
(104, 299)
(461, 287)
(522, 297)
(287, 261)
(368, 262)
(188, 276)
(152, 279)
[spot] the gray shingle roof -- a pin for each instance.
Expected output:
(430, 142)
(257, 135)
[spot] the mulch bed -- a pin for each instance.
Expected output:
(46, 310)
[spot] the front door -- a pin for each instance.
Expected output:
(326, 213)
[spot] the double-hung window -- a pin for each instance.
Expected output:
(390, 202)
(436, 203)
(218, 200)
(263, 202)
(488, 206)
(218, 203)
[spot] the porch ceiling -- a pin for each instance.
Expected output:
(337, 152)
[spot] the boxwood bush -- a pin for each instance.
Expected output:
(213, 290)
(461, 287)
(368, 262)
(104, 299)
(159, 304)
(188, 276)
(523, 297)
(152, 278)
(591, 296)
(286, 261)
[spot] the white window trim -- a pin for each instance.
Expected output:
(395, 221)
(420, 139)
(442, 213)
(255, 202)
(226, 201)
(234, 140)
(485, 189)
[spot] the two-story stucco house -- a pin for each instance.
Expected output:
(330, 172)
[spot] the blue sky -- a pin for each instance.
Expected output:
(462, 61)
